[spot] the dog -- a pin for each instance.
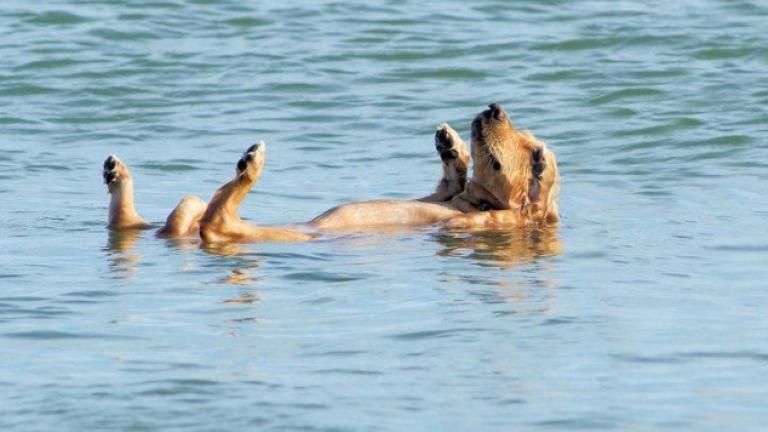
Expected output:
(515, 182)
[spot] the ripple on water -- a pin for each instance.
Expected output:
(23, 89)
(729, 141)
(435, 334)
(582, 423)
(248, 22)
(326, 276)
(693, 357)
(626, 93)
(48, 64)
(726, 53)
(670, 126)
(351, 372)
(60, 335)
(440, 73)
(167, 167)
(56, 18)
(47, 167)
(92, 294)
(15, 121)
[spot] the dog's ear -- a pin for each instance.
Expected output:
(547, 176)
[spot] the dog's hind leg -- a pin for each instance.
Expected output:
(221, 223)
(122, 211)
(453, 152)
(184, 220)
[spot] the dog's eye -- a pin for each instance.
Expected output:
(537, 162)
(495, 163)
(484, 206)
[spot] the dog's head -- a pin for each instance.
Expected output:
(512, 169)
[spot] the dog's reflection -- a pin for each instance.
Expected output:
(188, 244)
(529, 291)
(243, 274)
(501, 248)
(240, 264)
(123, 261)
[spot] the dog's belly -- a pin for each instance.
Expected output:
(382, 213)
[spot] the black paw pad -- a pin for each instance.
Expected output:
(444, 145)
(444, 138)
(241, 164)
(109, 176)
(109, 173)
(537, 162)
(448, 155)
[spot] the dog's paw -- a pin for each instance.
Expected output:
(114, 171)
(450, 147)
(453, 152)
(252, 161)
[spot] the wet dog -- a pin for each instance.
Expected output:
(515, 182)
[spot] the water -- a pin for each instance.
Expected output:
(646, 310)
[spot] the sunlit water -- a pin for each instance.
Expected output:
(646, 310)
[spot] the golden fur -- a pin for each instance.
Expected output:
(515, 182)
(515, 179)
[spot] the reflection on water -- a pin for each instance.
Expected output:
(184, 244)
(119, 252)
(527, 293)
(123, 241)
(223, 249)
(503, 249)
(240, 266)
(247, 297)
(237, 277)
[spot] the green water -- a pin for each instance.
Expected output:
(646, 311)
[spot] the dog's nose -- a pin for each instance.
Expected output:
(497, 112)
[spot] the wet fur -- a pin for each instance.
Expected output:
(515, 182)
(515, 179)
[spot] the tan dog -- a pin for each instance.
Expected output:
(515, 182)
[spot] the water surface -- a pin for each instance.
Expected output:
(646, 310)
